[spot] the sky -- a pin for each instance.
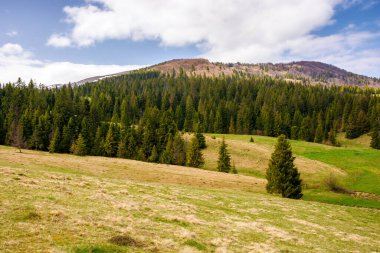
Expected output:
(61, 41)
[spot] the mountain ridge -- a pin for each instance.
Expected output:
(306, 72)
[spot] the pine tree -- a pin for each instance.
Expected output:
(66, 140)
(154, 155)
(282, 175)
(121, 149)
(179, 152)
(332, 138)
(194, 155)
(167, 155)
(224, 160)
(375, 140)
(319, 134)
(201, 139)
(110, 144)
(54, 144)
(79, 147)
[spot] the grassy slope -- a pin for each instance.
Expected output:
(357, 165)
(54, 203)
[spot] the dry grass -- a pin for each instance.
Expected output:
(253, 158)
(81, 212)
(129, 169)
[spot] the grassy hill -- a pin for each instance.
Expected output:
(65, 203)
(355, 165)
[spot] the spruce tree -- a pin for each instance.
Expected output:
(121, 149)
(224, 160)
(154, 155)
(282, 175)
(318, 138)
(54, 143)
(194, 155)
(110, 144)
(375, 140)
(66, 139)
(201, 139)
(179, 152)
(167, 155)
(79, 147)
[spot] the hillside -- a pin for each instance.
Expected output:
(65, 203)
(307, 72)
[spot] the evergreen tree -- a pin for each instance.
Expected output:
(201, 139)
(375, 140)
(194, 155)
(319, 134)
(54, 143)
(167, 155)
(110, 144)
(154, 155)
(179, 152)
(282, 175)
(98, 148)
(121, 149)
(79, 147)
(224, 160)
(332, 138)
(66, 140)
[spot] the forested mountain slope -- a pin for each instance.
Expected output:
(141, 110)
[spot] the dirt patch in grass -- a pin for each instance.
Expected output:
(32, 216)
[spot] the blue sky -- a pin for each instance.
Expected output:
(54, 41)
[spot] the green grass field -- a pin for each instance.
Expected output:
(70, 206)
(359, 162)
(65, 203)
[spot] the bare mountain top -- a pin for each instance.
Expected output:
(308, 72)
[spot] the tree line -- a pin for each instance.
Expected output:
(139, 115)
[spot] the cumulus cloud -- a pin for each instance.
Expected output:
(12, 33)
(17, 62)
(223, 30)
(57, 40)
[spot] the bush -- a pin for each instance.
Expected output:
(332, 183)
(125, 240)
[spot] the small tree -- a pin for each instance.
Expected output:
(54, 143)
(110, 144)
(224, 160)
(121, 149)
(79, 147)
(375, 140)
(194, 154)
(179, 152)
(283, 177)
(154, 155)
(201, 139)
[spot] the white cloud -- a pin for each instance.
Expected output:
(12, 33)
(57, 40)
(223, 30)
(16, 62)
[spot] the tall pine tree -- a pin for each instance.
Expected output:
(194, 154)
(282, 175)
(224, 160)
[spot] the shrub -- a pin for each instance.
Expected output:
(332, 183)
(125, 240)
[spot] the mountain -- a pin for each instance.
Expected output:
(308, 72)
